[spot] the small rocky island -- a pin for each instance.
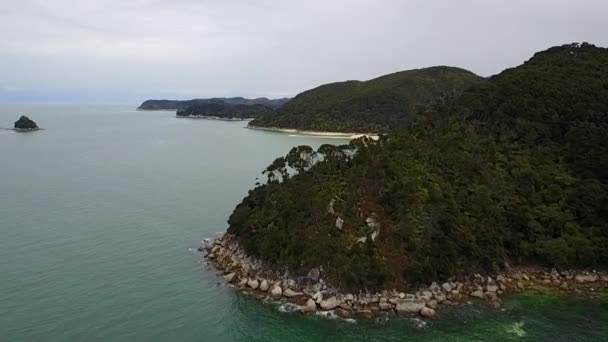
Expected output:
(25, 124)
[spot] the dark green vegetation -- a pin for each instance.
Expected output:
(223, 111)
(230, 101)
(25, 123)
(513, 171)
(374, 106)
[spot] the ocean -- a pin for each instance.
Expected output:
(101, 214)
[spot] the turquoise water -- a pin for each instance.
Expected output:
(100, 213)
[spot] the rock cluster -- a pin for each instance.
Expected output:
(312, 293)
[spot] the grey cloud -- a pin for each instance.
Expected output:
(270, 47)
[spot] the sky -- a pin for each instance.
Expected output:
(126, 51)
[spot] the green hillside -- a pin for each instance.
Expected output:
(513, 171)
(376, 105)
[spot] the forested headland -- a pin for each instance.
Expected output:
(513, 170)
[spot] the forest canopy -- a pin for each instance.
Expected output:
(373, 106)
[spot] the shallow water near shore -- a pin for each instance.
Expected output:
(100, 214)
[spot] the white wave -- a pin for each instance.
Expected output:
(517, 329)
(288, 307)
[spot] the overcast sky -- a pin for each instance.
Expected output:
(130, 50)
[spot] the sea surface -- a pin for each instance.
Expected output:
(101, 213)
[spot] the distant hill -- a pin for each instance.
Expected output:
(377, 105)
(225, 111)
(231, 101)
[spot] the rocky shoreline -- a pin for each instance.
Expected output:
(312, 294)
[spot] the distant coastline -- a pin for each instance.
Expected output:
(154, 110)
(351, 135)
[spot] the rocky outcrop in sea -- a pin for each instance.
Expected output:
(25, 124)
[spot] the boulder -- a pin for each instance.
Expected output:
(253, 283)
(289, 293)
(339, 223)
(477, 294)
(318, 297)
(520, 285)
(314, 274)
(242, 283)
(385, 306)
(427, 312)
(310, 306)
(409, 307)
(446, 287)
(492, 288)
(276, 292)
(264, 285)
(440, 297)
(329, 304)
(230, 277)
(587, 278)
(432, 304)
